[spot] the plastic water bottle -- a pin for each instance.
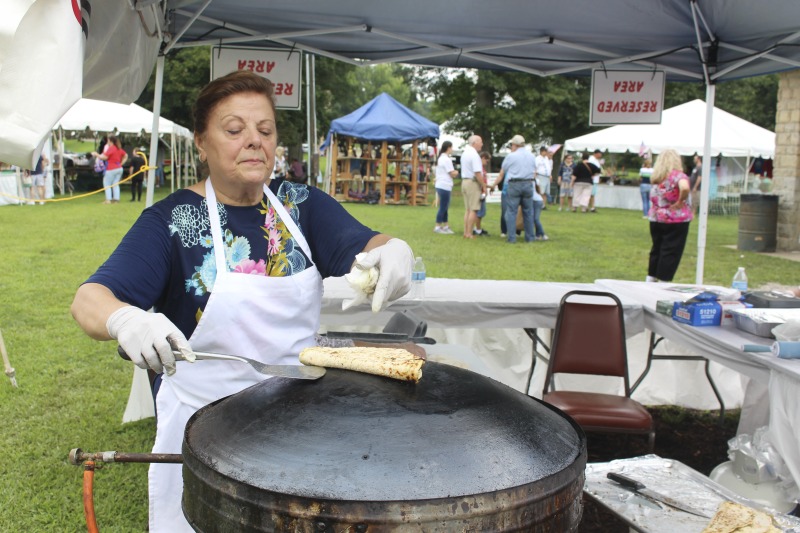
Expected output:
(740, 280)
(418, 280)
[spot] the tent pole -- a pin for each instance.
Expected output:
(704, 185)
(62, 168)
(310, 132)
(175, 172)
(151, 174)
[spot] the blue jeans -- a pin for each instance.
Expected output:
(644, 189)
(480, 213)
(503, 200)
(444, 205)
(538, 205)
(112, 177)
(519, 193)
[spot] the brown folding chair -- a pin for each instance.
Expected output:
(589, 339)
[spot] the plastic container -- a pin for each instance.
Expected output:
(418, 280)
(772, 299)
(767, 493)
(740, 280)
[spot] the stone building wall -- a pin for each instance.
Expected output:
(786, 171)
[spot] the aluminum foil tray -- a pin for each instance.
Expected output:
(674, 479)
(760, 321)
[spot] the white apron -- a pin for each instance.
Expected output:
(269, 319)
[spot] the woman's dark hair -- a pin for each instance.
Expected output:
(445, 146)
(237, 82)
(113, 139)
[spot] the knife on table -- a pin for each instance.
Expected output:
(640, 488)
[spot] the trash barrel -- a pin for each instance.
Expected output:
(758, 222)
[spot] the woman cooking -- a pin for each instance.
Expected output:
(234, 264)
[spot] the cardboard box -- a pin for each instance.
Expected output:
(705, 310)
(697, 313)
(727, 307)
(664, 307)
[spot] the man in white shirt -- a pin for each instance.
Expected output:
(596, 160)
(544, 173)
(473, 182)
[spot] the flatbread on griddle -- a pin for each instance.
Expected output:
(394, 363)
(736, 518)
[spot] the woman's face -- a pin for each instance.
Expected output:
(240, 140)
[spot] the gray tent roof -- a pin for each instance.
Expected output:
(546, 37)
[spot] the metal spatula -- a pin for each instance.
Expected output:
(281, 371)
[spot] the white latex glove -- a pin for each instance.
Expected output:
(362, 281)
(394, 261)
(148, 338)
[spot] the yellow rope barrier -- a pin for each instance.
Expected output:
(144, 168)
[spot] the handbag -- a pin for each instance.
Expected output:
(99, 165)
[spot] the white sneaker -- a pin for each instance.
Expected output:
(438, 229)
(544, 238)
(446, 230)
(502, 234)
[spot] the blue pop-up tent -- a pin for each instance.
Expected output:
(384, 119)
(381, 120)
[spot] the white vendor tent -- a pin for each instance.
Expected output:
(101, 116)
(683, 128)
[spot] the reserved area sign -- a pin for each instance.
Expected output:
(626, 97)
(281, 67)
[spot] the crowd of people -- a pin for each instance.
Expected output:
(525, 182)
(669, 196)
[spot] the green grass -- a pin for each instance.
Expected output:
(73, 390)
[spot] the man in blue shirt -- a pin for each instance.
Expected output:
(518, 168)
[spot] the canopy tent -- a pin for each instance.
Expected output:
(382, 119)
(102, 116)
(682, 128)
(691, 40)
(385, 119)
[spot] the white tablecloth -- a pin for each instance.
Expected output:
(8, 188)
(486, 316)
(471, 303)
(772, 384)
(619, 196)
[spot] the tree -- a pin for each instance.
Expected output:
(753, 99)
(499, 104)
(186, 71)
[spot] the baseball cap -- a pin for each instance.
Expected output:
(519, 140)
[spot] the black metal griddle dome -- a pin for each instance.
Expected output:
(353, 439)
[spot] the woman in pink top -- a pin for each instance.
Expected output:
(669, 216)
(115, 157)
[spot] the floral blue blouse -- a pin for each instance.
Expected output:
(167, 261)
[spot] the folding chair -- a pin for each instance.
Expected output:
(589, 339)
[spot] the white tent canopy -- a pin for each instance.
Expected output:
(99, 115)
(683, 128)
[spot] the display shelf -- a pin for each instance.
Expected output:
(383, 163)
